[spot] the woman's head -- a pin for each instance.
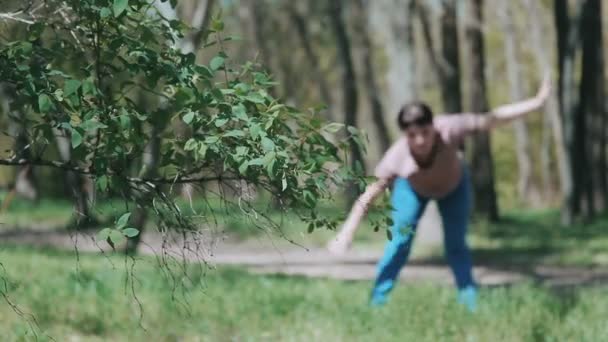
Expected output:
(416, 121)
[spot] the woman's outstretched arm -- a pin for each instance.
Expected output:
(342, 241)
(507, 113)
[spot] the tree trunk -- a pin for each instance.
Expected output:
(482, 163)
(199, 13)
(256, 11)
(349, 87)
(525, 187)
(562, 27)
(151, 155)
(75, 182)
(446, 65)
(25, 182)
(567, 42)
(395, 25)
(450, 91)
(199, 16)
(149, 169)
(317, 74)
(361, 12)
(592, 106)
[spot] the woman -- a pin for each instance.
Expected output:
(425, 164)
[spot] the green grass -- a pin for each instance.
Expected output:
(50, 213)
(93, 304)
(537, 236)
(523, 237)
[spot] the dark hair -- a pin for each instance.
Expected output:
(414, 113)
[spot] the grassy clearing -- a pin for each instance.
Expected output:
(523, 237)
(93, 304)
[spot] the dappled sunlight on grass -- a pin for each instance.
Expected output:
(537, 236)
(88, 299)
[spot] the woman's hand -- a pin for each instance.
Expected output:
(545, 89)
(340, 244)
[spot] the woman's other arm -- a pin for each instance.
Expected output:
(342, 241)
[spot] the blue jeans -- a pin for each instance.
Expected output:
(408, 207)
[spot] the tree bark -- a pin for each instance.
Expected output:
(592, 113)
(361, 12)
(568, 41)
(199, 17)
(349, 86)
(74, 181)
(151, 155)
(447, 64)
(256, 10)
(482, 163)
(25, 183)
(451, 91)
(525, 187)
(302, 29)
(552, 111)
(199, 13)
(395, 25)
(149, 169)
(562, 27)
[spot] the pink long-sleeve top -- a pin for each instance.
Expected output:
(444, 174)
(436, 181)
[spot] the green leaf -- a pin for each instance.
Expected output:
(353, 130)
(102, 183)
(270, 168)
(240, 112)
(58, 94)
(191, 144)
(88, 87)
(105, 12)
(188, 117)
(119, 6)
(256, 162)
(76, 138)
(184, 96)
(243, 167)
(91, 125)
(212, 140)
(70, 87)
(255, 130)
(217, 24)
(243, 88)
(116, 236)
(309, 199)
(130, 232)
(44, 103)
(333, 127)
(269, 158)
(220, 122)
(216, 63)
(123, 220)
(389, 235)
(237, 133)
(311, 227)
(242, 150)
(267, 144)
(202, 150)
(103, 234)
(284, 183)
(204, 71)
(255, 98)
(125, 121)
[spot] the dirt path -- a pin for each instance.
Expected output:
(276, 256)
